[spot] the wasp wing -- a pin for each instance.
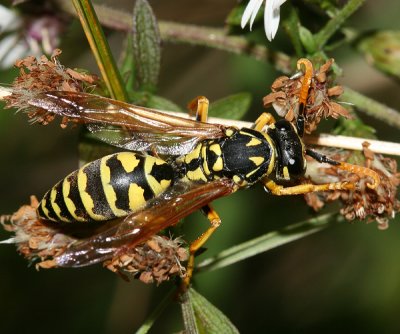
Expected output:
(164, 211)
(128, 126)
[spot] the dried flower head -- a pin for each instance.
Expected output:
(285, 98)
(156, 260)
(380, 204)
(42, 75)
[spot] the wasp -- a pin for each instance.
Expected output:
(170, 167)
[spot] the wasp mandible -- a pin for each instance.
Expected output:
(171, 167)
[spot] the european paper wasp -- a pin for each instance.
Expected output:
(170, 167)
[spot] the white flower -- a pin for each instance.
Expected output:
(271, 15)
(23, 36)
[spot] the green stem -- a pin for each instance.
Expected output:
(371, 107)
(100, 48)
(322, 37)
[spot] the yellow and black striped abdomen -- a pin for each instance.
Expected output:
(110, 187)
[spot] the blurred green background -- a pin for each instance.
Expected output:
(345, 279)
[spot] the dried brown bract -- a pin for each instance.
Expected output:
(156, 260)
(285, 98)
(35, 240)
(380, 204)
(44, 75)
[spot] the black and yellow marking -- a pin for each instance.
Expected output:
(104, 189)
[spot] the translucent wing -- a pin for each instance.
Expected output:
(128, 126)
(160, 213)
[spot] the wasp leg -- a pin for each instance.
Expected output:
(200, 106)
(215, 221)
(306, 188)
(264, 119)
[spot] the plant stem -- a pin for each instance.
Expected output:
(322, 37)
(371, 107)
(100, 48)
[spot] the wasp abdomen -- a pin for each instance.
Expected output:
(110, 187)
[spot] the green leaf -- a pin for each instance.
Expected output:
(307, 39)
(382, 50)
(354, 128)
(234, 17)
(231, 107)
(291, 25)
(146, 46)
(149, 100)
(127, 66)
(266, 242)
(208, 318)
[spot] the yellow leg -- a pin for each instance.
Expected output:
(263, 120)
(200, 106)
(306, 188)
(215, 221)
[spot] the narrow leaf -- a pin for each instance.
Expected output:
(291, 25)
(149, 100)
(146, 46)
(127, 64)
(189, 319)
(307, 39)
(100, 48)
(266, 242)
(208, 317)
(231, 107)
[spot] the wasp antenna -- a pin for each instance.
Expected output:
(363, 171)
(305, 86)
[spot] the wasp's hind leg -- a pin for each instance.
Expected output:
(199, 105)
(215, 221)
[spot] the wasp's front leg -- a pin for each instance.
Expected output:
(215, 221)
(306, 188)
(264, 119)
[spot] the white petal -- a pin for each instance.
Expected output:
(11, 49)
(278, 3)
(271, 18)
(9, 19)
(250, 12)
